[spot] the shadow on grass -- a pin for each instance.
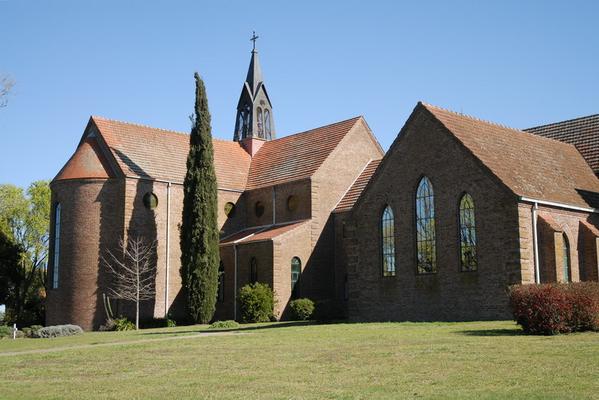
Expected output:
(241, 328)
(493, 332)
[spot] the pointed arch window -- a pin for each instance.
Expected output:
(240, 124)
(246, 121)
(566, 258)
(388, 242)
(253, 270)
(468, 253)
(296, 270)
(425, 228)
(267, 129)
(260, 123)
(56, 265)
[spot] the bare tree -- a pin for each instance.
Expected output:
(6, 85)
(134, 272)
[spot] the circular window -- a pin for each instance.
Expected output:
(150, 200)
(292, 203)
(229, 209)
(259, 208)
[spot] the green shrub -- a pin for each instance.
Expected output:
(32, 331)
(59, 331)
(301, 309)
(5, 331)
(230, 324)
(256, 301)
(123, 324)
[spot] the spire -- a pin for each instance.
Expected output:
(254, 76)
(254, 110)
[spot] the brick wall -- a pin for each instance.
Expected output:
(426, 149)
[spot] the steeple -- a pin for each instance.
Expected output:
(254, 110)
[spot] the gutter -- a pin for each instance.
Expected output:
(559, 205)
(535, 242)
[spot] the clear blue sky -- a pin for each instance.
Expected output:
(520, 63)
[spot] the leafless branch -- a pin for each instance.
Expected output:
(6, 85)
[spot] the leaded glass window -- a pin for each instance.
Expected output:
(566, 258)
(296, 270)
(425, 228)
(388, 242)
(56, 266)
(468, 257)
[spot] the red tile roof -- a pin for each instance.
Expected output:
(87, 162)
(354, 192)
(142, 151)
(258, 234)
(296, 156)
(530, 165)
(582, 132)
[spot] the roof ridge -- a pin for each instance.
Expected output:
(472, 117)
(562, 122)
(516, 130)
(94, 117)
(318, 127)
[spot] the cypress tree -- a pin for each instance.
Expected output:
(199, 230)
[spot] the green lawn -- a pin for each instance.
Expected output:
(476, 360)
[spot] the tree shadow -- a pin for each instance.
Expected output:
(493, 332)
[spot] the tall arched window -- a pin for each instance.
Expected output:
(246, 121)
(468, 259)
(296, 270)
(267, 124)
(221, 283)
(425, 228)
(260, 123)
(253, 270)
(388, 242)
(566, 258)
(56, 265)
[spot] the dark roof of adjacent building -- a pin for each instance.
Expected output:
(351, 196)
(529, 165)
(582, 132)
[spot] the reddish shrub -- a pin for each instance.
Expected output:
(549, 309)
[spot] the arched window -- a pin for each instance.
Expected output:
(296, 270)
(246, 121)
(260, 122)
(388, 242)
(425, 228)
(468, 257)
(566, 258)
(56, 266)
(253, 270)
(221, 283)
(267, 124)
(240, 124)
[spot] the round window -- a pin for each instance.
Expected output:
(292, 203)
(150, 200)
(259, 209)
(229, 209)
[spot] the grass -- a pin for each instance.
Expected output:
(474, 360)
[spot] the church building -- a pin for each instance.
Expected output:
(437, 228)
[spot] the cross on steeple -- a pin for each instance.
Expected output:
(253, 39)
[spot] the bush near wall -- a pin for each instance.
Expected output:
(59, 331)
(549, 309)
(301, 309)
(256, 301)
